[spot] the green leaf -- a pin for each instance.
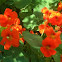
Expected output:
(39, 15)
(33, 54)
(48, 59)
(20, 36)
(9, 2)
(59, 49)
(54, 4)
(33, 39)
(1, 28)
(20, 58)
(30, 22)
(1, 56)
(2, 1)
(21, 3)
(41, 4)
(0, 38)
(1, 48)
(57, 57)
(60, 46)
(24, 14)
(13, 51)
(8, 59)
(61, 36)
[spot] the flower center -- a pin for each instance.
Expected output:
(9, 37)
(53, 36)
(56, 18)
(47, 47)
(9, 18)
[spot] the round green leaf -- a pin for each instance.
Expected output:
(21, 3)
(33, 39)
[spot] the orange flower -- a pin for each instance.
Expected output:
(10, 15)
(48, 47)
(42, 27)
(54, 35)
(44, 10)
(59, 6)
(10, 37)
(46, 13)
(49, 31)
(3, 19)
(53, 17)
(8, 18)
(18, 28)
(56, 20)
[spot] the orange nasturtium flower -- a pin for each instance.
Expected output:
(48, 46)
(20, 30)
(56, 19)
(44, 10)
(42, 27)
(53, 17)
(10, 38)
(46, 13)
(59, 6)
(54, 35)
(3, 20)
(10, 17)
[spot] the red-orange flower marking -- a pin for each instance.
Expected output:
(31, 32)
(48, 47)
(10, 37)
